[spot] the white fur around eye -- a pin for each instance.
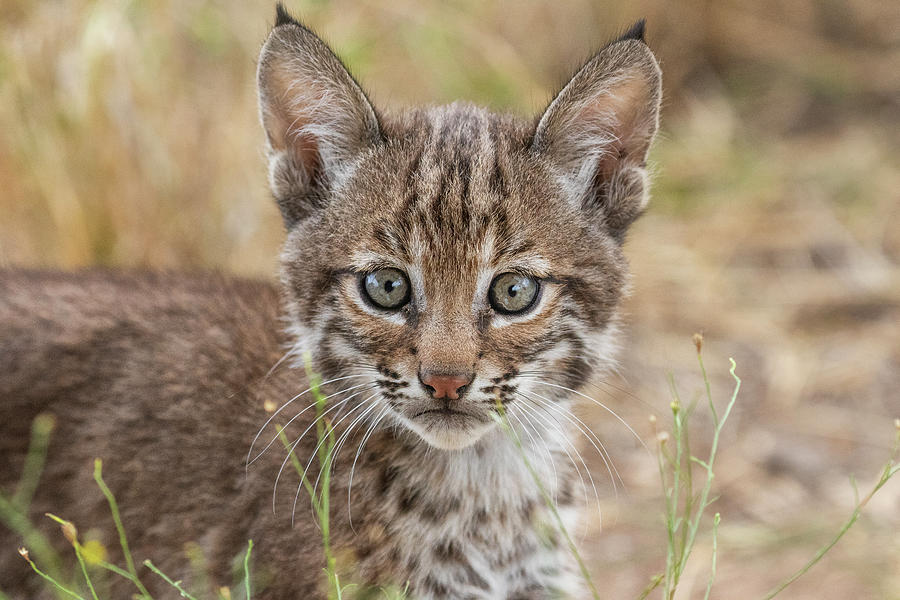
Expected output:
(418, 288)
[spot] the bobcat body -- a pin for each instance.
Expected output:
(438, 263)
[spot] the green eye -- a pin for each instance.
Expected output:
(513, 292)
(386, 288)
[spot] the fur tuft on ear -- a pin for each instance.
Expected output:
(598, 129)
(317, 118)
(283, 17)
(635, 32)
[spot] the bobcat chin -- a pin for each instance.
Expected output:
(439, 262)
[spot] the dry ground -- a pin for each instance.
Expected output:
(128, 136)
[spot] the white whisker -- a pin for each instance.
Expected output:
(551, 421)
(296, 442)
(588, 433)
(285, 405)
(340, 442)
(543, 446)
(365, 439)
(319, 445)
(601, 405)
(596, 384)
(278, 363)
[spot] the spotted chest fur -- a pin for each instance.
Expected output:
(454, 531)
(449, 269)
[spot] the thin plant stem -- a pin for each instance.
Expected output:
(890, 469)
(247, 568)
(18, 522)
(117, 519)
(685, 509)
(87, 578)
(298, 467)
(71, 534)
(715, 551)
(24, 553)
(41, 428)
(175, 584)
(708, 465)
(707, 385)
(654, 583)
(692, 518)
(687, 517)
(662, 458)
(674, 574)
(325, 453)
(116, 569)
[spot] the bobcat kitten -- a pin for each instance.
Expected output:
(438, 261)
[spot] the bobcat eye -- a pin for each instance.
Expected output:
(386, 288)
(512, 292)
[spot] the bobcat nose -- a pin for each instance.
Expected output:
(446, 385)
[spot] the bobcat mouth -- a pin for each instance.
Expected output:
(444, 412)
(447, 428)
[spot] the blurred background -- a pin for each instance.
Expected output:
(129, 137)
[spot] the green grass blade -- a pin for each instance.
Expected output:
(298, 467)
(715, 552)
(889, 470)
(71, 534)
(175, 584)
(117, 519)
(41, 428)
(247, 568)
(18, 522)
(115, 569)
(57, 585)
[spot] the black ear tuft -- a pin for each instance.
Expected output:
(598, 129)
(283, 17)
(635, 32)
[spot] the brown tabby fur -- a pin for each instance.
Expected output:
(168, 378)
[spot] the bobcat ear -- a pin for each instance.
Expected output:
(317, 118)
(597, 130)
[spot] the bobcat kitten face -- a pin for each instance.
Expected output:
(459, 257)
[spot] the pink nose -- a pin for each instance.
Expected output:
(445, 385)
